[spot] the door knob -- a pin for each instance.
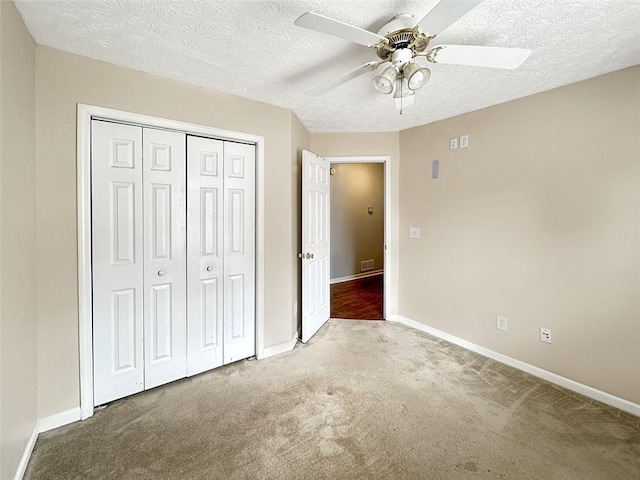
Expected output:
(301, 255)
(209, 268)
(309, 255)
(161, 273)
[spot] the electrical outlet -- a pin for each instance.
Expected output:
(545, 335)
(464, 141)
(502, 323)
(453, 143)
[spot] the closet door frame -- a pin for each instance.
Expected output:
(87, 113)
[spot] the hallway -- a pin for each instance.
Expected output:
(359, 299)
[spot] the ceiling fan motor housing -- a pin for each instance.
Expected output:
(400, 57)
(402, 21)
(402, 33)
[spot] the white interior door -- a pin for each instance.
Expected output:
(239, 251)
(118, 263)
(205, 253)
(315, 244)
(165, 324)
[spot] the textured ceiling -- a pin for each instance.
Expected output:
(252, 49)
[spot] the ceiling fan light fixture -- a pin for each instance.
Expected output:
(385, 81)
(402, 89)
(402, 95)
(416, 75)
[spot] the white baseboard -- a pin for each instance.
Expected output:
(281, 347)
(26, 455)
(44, 425)
(58, 420)
(594, 393)
(348, 278)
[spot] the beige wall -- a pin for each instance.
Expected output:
(63, 80)
(356, 235)
(299, 141)
(18, 384)
(538, 220)
(2, 29)
(378, 143)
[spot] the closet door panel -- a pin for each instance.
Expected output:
(205, 254)
(164, 180)
(117, 246)
(239, 251)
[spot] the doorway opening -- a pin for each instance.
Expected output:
(358, 237)
(315, 253)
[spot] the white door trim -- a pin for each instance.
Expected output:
(386, 159)
(86, 113)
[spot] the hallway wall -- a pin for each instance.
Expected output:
(355, 234)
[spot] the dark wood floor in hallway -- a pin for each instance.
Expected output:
(359, 299)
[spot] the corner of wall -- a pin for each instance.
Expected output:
(18, 319)
(300, 140)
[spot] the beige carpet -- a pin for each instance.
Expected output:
(362, 400)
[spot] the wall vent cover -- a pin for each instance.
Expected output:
(366, 265)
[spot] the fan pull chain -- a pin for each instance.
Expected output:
(401, 112)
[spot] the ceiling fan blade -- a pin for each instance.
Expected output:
(322, 24)
(444, 14)
(356, 72)
(494, 57)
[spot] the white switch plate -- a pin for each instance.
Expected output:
(545, 335)
(414, 232)
(464, 141)
(453, 143)
(502, 323)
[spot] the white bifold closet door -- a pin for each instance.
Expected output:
(173, 273)
(139, 258)
(221, 252)
(165, 260)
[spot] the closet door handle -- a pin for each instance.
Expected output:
(209, 268)
(161, 273)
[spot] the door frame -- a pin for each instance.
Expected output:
(87, 113)
(386, 160)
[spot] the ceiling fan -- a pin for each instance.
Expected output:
(401, 40)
